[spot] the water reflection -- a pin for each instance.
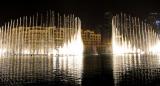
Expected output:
(97, 71)
(41, 70)
(108, 70)
(136, 70)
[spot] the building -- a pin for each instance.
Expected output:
(36, 40)
(42, 40)
(106, 32)
(91, 41)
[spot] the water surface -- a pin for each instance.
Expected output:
(91, 70)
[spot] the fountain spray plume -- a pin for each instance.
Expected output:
(130, 35)
(47, 34)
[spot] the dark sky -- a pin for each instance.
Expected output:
(90, 11)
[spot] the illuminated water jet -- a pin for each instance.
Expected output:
(48, 34)
(131, 35)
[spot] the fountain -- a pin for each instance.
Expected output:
(41, 48)
(131, 35)
(41, 34)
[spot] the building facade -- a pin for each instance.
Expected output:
(91, 41)
(42, 40)
(36, 40)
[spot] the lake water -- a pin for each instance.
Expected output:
(101, 70)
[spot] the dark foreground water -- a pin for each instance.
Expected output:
(102, 70)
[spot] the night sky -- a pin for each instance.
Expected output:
(91, 12)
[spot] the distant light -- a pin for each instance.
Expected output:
(158, 23)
